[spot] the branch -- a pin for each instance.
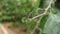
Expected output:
(38, 22)
(45, 11)
(3, 29)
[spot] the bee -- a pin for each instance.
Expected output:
(31, 14)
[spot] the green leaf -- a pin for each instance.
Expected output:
(46, 3)
(36, 3)
(43, 21)
(52, 25)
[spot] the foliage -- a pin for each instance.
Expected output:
(18, 12)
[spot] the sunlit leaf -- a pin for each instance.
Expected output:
(52, 25)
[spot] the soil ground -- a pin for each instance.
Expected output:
(14, 31)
